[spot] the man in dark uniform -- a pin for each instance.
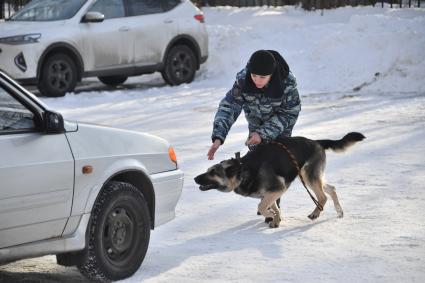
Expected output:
(267, 92)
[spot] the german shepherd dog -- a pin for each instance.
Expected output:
(267, 172)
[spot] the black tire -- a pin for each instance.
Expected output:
(180, 65)
(113, 80)
(118, 234)
(58, 75)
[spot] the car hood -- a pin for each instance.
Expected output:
(95, 142)
(12, 28)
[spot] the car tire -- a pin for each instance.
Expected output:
(113, 80)
(180, 65)
(118, 234)
(58, 76)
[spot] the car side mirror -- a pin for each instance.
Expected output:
(93, 17)
(53, 123)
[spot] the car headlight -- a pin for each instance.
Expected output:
(21, 39)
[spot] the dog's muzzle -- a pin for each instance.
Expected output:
(204, 183)
(207, 187)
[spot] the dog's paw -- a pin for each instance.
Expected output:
(340, 214)
(313, 216)
(274, 224)
(268, 219)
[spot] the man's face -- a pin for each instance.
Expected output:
(260, 81)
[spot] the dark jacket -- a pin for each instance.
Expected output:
(271, 111)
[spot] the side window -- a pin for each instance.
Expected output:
(13, 115)
(109, 8)
(144, 7)
(170, 4)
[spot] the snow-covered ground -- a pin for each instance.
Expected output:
(218, 237)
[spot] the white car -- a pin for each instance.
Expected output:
(87, 193)
(55, 43)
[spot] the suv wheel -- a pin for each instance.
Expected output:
(113, 80)
(58, 76)
(180, 65)
(119, 233)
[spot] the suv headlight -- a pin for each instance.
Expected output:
(21, 39)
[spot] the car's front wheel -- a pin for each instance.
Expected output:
(113, 80)
(180, 65)
(119, 233)
(58, 75)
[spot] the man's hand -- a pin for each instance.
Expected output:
(253, 139)
(216, 144)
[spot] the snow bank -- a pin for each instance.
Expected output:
(335, 51)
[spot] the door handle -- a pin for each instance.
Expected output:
(124, 29)
(168, 21)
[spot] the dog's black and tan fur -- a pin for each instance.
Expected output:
(267, 172)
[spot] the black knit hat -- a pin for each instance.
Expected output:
(262, 63)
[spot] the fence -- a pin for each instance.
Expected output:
(8, 7)
(308, 4)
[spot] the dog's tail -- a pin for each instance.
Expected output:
(342, 144)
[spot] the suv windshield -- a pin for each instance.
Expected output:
(48, 10)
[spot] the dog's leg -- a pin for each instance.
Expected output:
(277, 219)
(267, 202)
(317, 188)
(330, 190)
(275, 209)
(277, 205)
(267, 219)
(313, 176)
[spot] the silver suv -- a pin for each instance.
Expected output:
(55, 43)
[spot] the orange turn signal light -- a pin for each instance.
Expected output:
(172, 155)
(87, 169)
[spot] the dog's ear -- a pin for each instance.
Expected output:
(234, 169)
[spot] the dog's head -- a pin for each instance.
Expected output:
(224, 176)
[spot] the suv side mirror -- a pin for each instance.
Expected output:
(93, 17)
(53, 123)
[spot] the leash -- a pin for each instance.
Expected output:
(295, 163)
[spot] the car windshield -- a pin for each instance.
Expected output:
(48, 10)
(13, 115)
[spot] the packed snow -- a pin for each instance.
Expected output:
(358, 69)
